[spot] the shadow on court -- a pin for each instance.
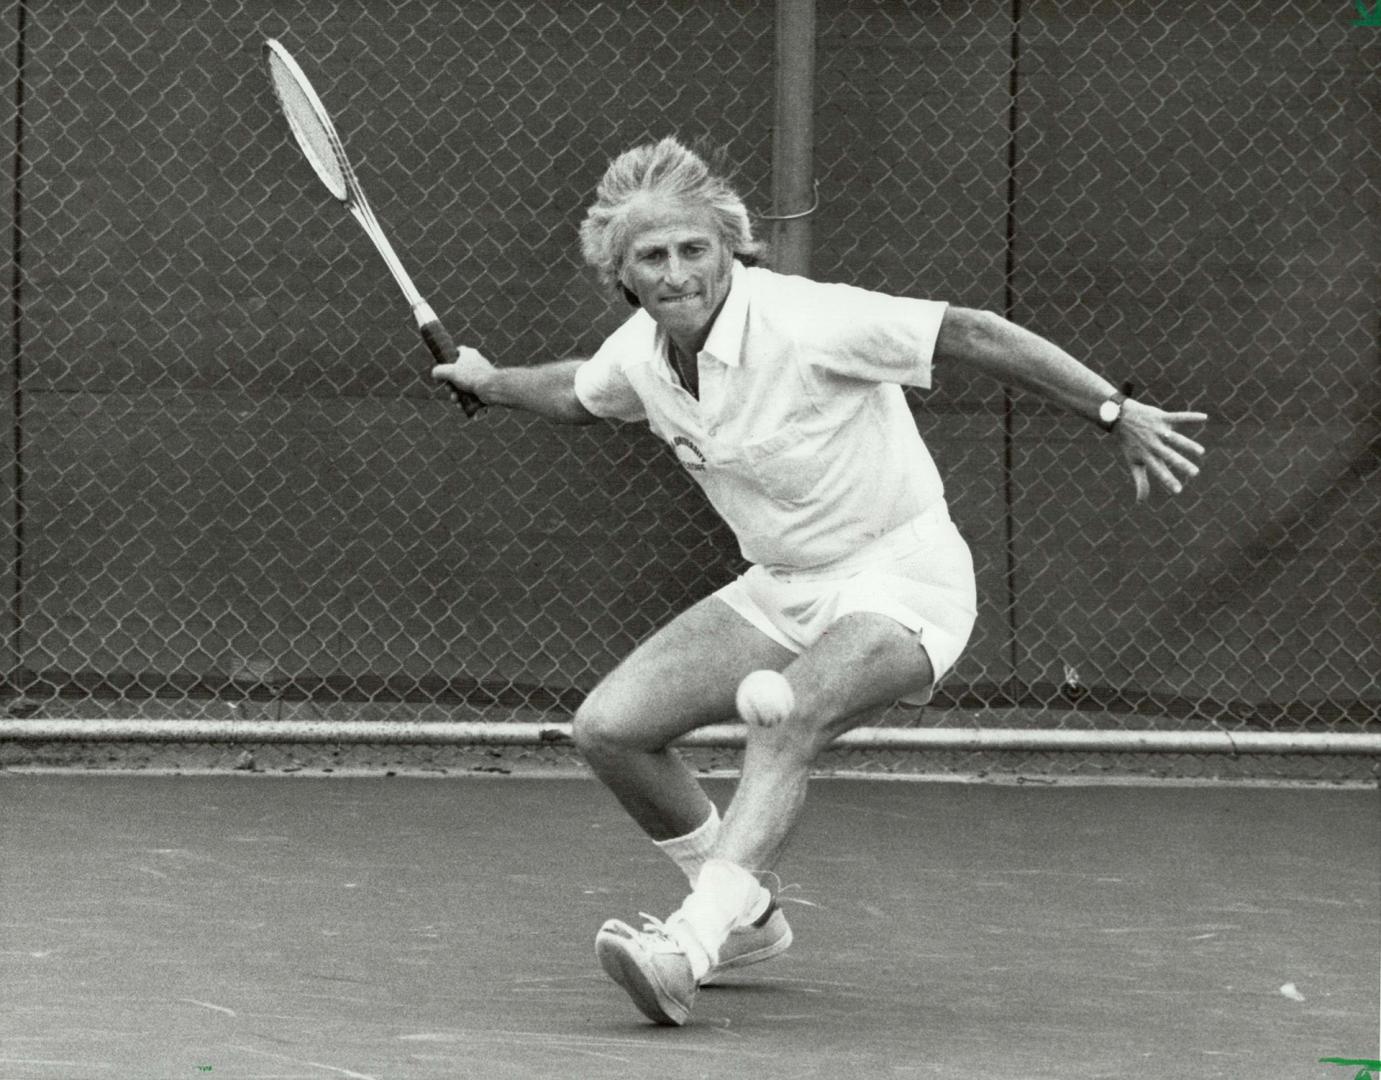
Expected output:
(175, 927)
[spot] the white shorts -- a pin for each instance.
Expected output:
(920, 574)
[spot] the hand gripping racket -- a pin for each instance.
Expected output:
(322, 146)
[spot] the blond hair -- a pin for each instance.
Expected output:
(669, 170)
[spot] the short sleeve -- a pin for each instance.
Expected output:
(601, 383)
(874, 337)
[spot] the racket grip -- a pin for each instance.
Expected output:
(443, 350)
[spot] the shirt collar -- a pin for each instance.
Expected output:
(725, 342)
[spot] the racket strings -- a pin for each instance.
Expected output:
(321, 144)
(311, 127)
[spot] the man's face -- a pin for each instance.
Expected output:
(679, 269)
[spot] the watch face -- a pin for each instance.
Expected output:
(1109, 411)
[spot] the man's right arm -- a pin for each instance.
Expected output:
(547, 390)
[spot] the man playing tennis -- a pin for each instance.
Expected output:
(782, 398)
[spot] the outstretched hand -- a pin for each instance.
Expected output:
(1153, 445)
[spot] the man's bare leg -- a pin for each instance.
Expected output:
(682, 678)
(860, 666)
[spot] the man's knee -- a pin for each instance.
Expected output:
(590, 727)
(602, 726)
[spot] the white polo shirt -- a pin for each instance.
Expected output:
(801, 437)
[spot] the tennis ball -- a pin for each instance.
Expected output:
(765, 698)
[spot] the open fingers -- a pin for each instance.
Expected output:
(1179, 463)
(1184, 442)
(1148, 466)
(1165, 464)
(1143, 485)
(1156, 449)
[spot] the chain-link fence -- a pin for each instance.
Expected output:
(231, 481)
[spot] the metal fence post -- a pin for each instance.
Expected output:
(793, 138)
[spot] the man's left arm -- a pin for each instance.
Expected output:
(1151, 440)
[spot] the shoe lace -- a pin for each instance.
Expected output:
(655, 926)
(780, 891)
(664, 938)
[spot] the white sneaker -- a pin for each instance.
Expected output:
(651, 965)
(768, 936)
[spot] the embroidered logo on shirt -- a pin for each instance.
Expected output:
(688, 454)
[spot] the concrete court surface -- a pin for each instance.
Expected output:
(158, 926)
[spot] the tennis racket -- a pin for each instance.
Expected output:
(317, 137)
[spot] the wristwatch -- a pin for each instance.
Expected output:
(1110, 412)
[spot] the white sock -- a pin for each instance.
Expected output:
(689, 852)
(724, 895)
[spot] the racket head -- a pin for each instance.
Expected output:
(309, 122)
